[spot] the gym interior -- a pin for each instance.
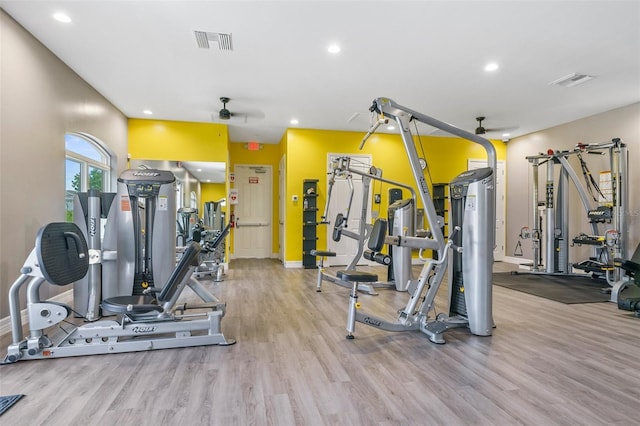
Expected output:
(424, 322)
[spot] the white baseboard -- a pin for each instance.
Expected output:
(5, 323)
(294, 264)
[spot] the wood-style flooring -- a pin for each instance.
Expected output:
(546, 364)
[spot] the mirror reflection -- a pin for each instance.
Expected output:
(201, 209)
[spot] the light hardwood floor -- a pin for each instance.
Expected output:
(546, 364)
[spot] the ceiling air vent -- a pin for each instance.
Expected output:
(206, 39)
(571, 80)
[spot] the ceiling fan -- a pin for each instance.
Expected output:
(481, 130)
(225, 114)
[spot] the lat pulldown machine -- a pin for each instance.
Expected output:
(473, 221)
(404, 216)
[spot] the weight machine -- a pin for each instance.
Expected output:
(472, 242)
(151, 320)
(189, 228)
(211, 240)
(399, 261)
(130, 236)
(603, 211)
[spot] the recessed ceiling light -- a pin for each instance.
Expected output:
(491, 66)
(147, 111)
(198, 170)
(334, 48)
(506, 135)
(391, 127)
(294, 121)
(61, 17)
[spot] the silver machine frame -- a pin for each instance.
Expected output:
(165, 326)
(555, 235)
(476, 251)
(402, 267)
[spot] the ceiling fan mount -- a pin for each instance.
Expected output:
(480, 130)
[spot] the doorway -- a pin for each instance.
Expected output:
(253, 212)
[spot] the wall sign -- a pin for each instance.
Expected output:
(233, 196)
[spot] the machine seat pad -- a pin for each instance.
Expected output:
(131, 304)
(357, 276)
(322, 253)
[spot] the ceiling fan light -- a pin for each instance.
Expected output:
(225, 114)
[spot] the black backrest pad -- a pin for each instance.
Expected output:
(633, 265)
(62, 253)
(189, 258)
(378, 232)
(337, 227)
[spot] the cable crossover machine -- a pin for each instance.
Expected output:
(604, 208)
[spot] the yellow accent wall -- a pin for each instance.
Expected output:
(177, 140)
(306, 158)
(305, 151)
(181, 141)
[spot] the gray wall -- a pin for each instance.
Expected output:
(40, 100)
(621, 123)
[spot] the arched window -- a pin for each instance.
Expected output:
(89, 164)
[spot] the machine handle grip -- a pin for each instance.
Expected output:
(372, 130)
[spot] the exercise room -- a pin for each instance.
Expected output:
(319, 212)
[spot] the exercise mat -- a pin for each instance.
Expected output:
(7, 402)
(564, 289)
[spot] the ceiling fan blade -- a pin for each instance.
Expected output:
(501, 129)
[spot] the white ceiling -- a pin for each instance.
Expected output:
(426, 55)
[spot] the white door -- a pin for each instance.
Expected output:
(346, 248)
(253, 212)
(498, 252)
(282, 205)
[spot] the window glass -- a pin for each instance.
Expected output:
(84, 147)
(88, 166)
(72, 185)
(96, 178)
